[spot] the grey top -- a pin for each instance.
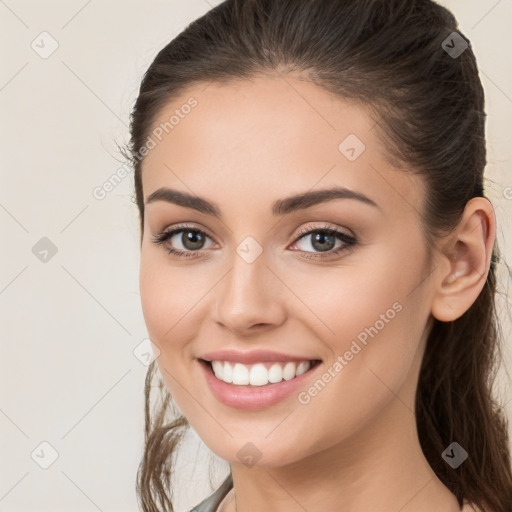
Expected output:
(211, 503)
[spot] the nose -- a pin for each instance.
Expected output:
(250, 298)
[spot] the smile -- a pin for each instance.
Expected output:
(240, 393)
(259, 374)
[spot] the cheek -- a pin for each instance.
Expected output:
(170, 302)
(168, 294)
(369, 291)
(175, 303)
(373, 315)
(165, 302)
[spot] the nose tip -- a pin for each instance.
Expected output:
(249, 300)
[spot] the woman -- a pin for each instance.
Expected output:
(318, 259)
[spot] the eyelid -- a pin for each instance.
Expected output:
(167, 233)
(326, 227)
(299, 234)
(183, 227)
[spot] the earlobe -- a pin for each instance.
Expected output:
(465, 261)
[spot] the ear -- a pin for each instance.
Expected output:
(464, 261)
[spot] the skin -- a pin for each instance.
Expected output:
(247, 144)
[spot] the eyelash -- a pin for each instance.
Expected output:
(349, 241)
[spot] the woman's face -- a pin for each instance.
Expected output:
(250, 282)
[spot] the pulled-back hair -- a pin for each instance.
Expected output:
(429, 109)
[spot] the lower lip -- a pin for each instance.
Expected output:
(254, 397)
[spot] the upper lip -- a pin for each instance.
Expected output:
(252, 356)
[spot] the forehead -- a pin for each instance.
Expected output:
(264, 136)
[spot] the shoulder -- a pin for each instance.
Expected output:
(227, 503)
(211, 503)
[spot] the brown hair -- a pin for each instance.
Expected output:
(429, 106)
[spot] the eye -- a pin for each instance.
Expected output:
(192, 241)
(324, 240)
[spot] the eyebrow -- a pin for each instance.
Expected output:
(279, 208)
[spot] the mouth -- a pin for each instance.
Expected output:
(259, 385)
(259, 374)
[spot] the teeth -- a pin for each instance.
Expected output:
(258, 374)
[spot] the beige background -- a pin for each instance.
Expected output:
(68, 374)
